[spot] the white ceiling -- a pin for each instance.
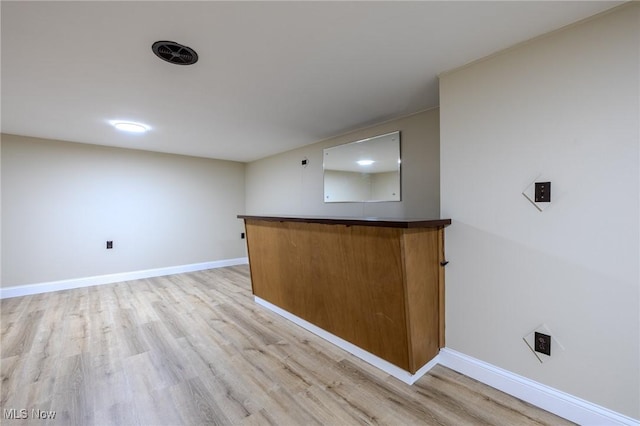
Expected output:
(271, 76)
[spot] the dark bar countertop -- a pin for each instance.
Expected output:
(356, 221)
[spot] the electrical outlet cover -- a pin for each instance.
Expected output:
(556, 347)
(543, 192)
(530, 194)
(542, 343)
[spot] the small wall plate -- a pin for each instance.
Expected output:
(556, 347)
(530, 194)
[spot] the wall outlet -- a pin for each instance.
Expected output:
(540, 340)
(543, 192)
(242, 235)
(538, 193)
(109, 244)
(542, 343)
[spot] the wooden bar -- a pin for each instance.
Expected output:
(376, 283)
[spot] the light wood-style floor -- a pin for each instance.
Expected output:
(195, 349)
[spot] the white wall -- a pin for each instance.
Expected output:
(62, 201)
(565, 106)
(280, 185)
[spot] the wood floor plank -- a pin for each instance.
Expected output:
(117, 415)
(155, 408)
(20, 338)
(130, 340)
(197, 404)
(328, 409)
(226, 390)
(284, 409)
(9, 372)
(196, 349)
(261, 418)
(72, 398)
(166, 355)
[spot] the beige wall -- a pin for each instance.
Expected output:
(0, 211)
(62, 201)
(280, 185)
(566, 107)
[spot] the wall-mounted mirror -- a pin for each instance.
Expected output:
(367, 170)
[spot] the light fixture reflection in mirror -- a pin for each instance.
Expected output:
(367, 170)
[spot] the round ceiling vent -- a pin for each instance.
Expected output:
(175, 53)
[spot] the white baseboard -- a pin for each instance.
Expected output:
(368, 357)
(560, 403)
(25, 290)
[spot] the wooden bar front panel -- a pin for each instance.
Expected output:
(375, 287)
(344, 279)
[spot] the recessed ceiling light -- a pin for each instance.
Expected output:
(365, 162)
(130, 126)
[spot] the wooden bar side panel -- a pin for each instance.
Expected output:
(347, 280)
(420, 250)
(441, 288)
